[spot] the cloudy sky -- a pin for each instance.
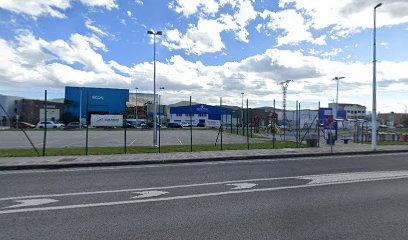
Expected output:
(209, 49)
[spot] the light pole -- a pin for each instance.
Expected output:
(337, 96)
(154, 86)
(374, 112)
(284, 85)
(242, 107)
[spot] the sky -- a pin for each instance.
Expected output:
(209, 49)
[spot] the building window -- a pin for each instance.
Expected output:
(179, 115)
(188, 115)
(202, 115)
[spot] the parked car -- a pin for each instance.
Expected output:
(22, 125)
(50, 124)
(150, 125)
(174, 125)
(184, 124)
(200, 124)
(72, 125)
(128, 125)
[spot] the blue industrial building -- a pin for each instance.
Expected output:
(97, 100)
(201, 113)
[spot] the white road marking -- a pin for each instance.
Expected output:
(334, 178)
(239, 186)
(32, 202)
(196, 164)
(179, 141)
(391, 177)
(147, 194)
(134, 140)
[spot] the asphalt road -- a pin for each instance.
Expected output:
(356, 197)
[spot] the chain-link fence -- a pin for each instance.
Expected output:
(192, 125)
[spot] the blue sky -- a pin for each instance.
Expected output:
(210, 48)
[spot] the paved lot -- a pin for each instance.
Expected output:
(348, 197)
(105, 138)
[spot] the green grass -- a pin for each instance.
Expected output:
(142, 149)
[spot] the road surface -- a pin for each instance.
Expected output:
(348, 197)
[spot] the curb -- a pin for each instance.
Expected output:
(191, 160)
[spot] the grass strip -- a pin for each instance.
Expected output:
(143, 149)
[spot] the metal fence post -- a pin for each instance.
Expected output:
(231, 120)
(252, 123)
(318, 125)
(299, 127)
(247, 132)
(124, 118)
(87, 123)
(273, 126)
(296, 124)
(45, 123)
(191, 127)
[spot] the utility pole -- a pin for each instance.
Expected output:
(284, 85)
(154, 86)
(337, 96)
(374, 112)
(242, 115)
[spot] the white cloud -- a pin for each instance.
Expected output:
(52, 8)
(129, 13)
(31, 61)
(295, 29)
(203, 38)
(332, 53)
(139, 2)
(100, 32)
(188, 7)
(37, 8)
(108, 4)
(346, 17)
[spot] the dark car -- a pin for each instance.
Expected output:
(201, 124)
(72, 125)
(150, 125)
(22, 125)
(174, 125)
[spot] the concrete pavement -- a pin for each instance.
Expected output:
(332, 197)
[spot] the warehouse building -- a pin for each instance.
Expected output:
(96, 100)
(208, 115)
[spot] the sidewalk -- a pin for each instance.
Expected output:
(54, 162)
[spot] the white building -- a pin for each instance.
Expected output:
(353, 111)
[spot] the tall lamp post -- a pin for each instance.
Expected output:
(374, 112)
(154, 86)
(242, 107)
(337, 96)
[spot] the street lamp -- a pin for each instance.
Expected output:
(374, 112)
(242, 107)
(154, 86)
(337, 96)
